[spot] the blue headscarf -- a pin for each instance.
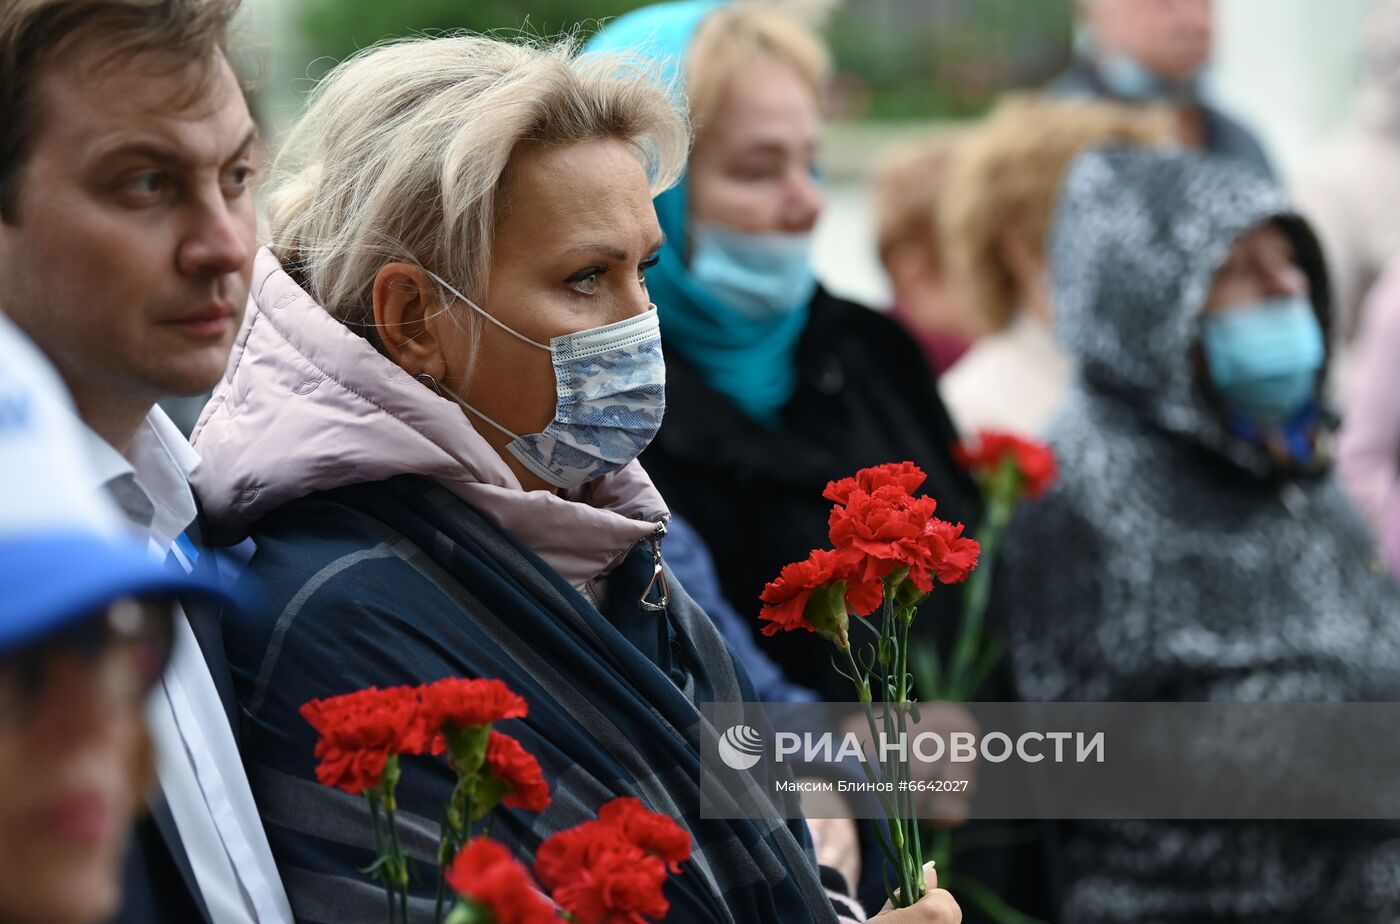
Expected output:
(754, 362)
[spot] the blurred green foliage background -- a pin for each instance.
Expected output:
(896, 59)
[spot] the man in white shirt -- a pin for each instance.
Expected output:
(126, 243)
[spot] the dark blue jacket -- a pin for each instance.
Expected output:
(400, 582)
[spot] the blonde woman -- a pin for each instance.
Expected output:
(775, 386)
(1001, 195)
(430, 430)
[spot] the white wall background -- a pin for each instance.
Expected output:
(1290, 69)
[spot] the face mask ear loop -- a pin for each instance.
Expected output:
(458, 398)
(427, 379)
(481, 311)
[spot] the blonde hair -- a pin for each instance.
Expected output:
(735, 34)
(911, 180)
(404, 148)
(1006, 177)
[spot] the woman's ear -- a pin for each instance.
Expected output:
(405, 308)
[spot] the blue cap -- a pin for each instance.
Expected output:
(64, 552)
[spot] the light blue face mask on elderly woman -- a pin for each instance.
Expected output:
(1264, 359)
(610, 394)
(760, 276)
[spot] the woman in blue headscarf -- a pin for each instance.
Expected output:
(774, 385)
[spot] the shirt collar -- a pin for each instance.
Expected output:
(158, 463)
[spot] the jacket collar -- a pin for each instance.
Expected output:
(307, 406)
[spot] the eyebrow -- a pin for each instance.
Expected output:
(614, 253)
(772, 145)
(245, 145)
(166, 156)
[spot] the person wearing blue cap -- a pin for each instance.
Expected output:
(85, 632)
(126, 243)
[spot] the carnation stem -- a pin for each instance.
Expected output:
(400, 864)
(896, 683)
(895, 850)
(382, 864)
(1002, 490)
(444, 860)
(914, 846)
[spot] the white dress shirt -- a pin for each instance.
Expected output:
(197, 762)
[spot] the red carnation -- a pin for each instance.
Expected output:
(485, 874)
(906, 476)
(360, 731)
(467, 703)
(790, 604)
(657, 834)
(952, 556)
(600, 877)
(788, 595)
(877, 534)
(518, 769)
(1035, 462)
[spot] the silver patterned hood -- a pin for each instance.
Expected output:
(1137, 236)
(1156, 571)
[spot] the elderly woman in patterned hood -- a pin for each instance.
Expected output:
(1196, 547)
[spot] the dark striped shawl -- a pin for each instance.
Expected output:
(401, 582)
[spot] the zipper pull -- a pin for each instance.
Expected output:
(658, 580)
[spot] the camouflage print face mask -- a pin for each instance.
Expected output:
(610, 394)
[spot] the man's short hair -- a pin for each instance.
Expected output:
(34, 34)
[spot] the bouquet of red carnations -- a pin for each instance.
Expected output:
(888, 552)
(611, 868)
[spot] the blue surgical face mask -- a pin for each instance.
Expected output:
(1264, 359)
(610, 394)
(1130, 79)
(760, 276)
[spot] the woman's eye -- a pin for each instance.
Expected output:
(758, 170)
(586, 282)
(646, 265)
(758, 174)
